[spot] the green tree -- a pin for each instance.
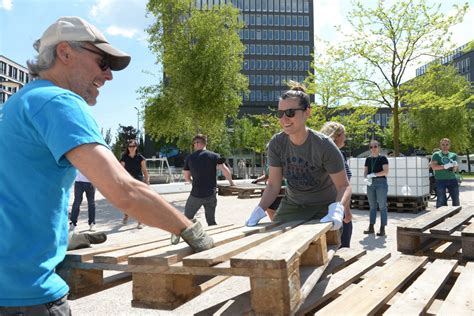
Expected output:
(386, 39)
(124, 134)
(202, 57)
(330, 79)
(107, 136)
(437, 107)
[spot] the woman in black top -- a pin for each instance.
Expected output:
(376, 171)
(135, 164)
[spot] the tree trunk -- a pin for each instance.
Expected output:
(396, 127)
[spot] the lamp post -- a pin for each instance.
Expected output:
(138, 122)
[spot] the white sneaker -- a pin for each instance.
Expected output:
(257, 214)
(92, 227)
(140, 226)
(72, 227)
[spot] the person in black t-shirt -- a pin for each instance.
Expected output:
(135, 164)
(376, 171)
(200, 170)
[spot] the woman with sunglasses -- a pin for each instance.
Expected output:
(337, 132)
(135, 164)
(376, 171)
(311, 164)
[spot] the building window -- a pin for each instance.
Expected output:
(306, 6)
(306, 35)
(3, 68)
(306, 21)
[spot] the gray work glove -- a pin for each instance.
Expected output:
(197, 238)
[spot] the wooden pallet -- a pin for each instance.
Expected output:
(394, 204)
(283, 263)
(360, 283)
(447, 232)
(244, 191)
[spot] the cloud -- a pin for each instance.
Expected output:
(6, 5)
(117, 30)
(122, 18)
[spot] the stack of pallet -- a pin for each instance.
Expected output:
(401, 204)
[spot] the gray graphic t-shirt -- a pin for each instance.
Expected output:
(307, 167)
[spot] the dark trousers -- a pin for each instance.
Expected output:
(346, 235)
(57, 308)
(79, 189)
(193, 204)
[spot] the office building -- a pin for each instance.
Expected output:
(13, 77)
(460, 58)
(279, 41)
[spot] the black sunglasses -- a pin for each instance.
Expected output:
(288, 112)
(373, 146)
(104, 62)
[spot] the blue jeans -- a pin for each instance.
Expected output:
(377, 195)
(79, 189)
(57, 308)
(193, 204)
(453, 188)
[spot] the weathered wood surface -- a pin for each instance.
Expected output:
(446, 232)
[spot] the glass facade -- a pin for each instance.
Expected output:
(279, 40)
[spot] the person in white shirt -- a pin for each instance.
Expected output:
(83, 185)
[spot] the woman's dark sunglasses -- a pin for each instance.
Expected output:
(104, 62)
(288, 112)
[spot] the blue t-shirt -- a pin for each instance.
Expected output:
(38, 126)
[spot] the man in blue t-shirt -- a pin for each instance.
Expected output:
(49, 132)
(200, 169)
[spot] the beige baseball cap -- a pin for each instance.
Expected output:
(73, 28)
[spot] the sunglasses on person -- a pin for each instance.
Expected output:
(104, 62)
(288, 112)
(131, 146)
(374, 146)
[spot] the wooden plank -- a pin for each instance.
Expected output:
(86, 254)
(430, 219)
(460, 300)
(419, 296)
(451, 224)
(224, 252)
(271, 254)
(174, 253)
(114, 257)
(468, 231)
(368, 296)
(342, 258)
(330, 286)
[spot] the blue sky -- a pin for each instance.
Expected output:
(123, 22)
